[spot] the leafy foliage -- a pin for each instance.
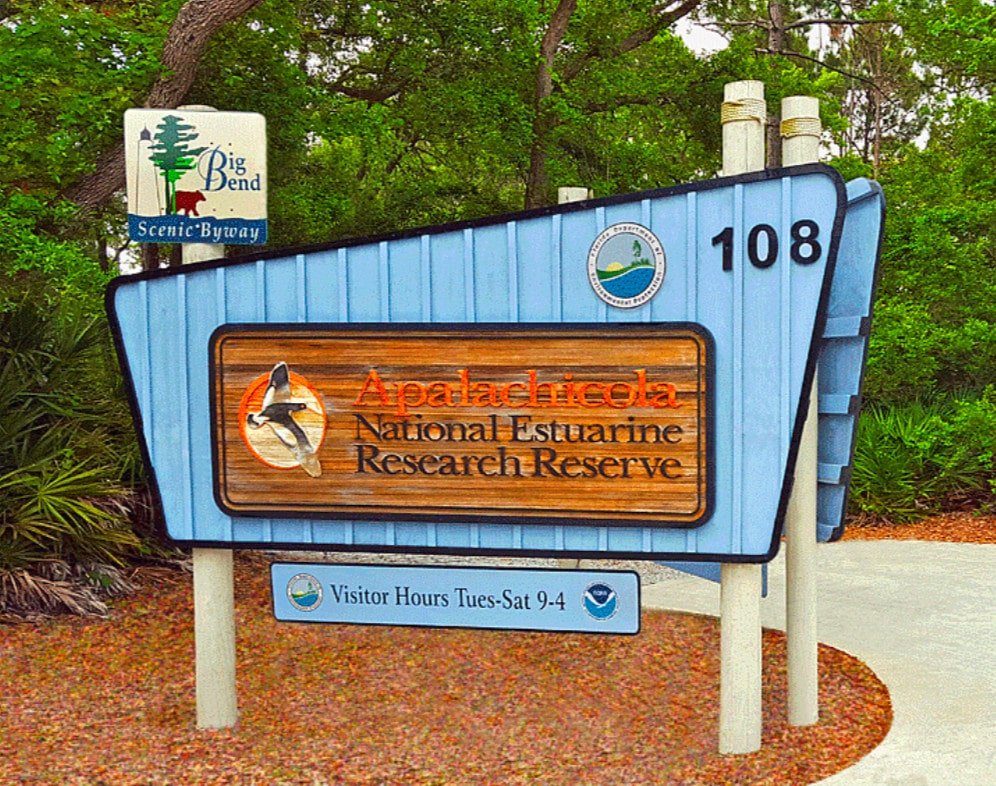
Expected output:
(911, 459)
(935, 323)
(68, 70)
(386, 115)
(63, 448)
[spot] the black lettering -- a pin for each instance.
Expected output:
(668, 463)
(519, 425)
(363, 460)
(544, 458)
(362, 421)
(608, 461)
(568, 464)
(672, 429)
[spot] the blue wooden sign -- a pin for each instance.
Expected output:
(744, 262)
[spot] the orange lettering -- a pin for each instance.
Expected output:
(403, 402)
(667, 396)
(506, 392)
(631, 395)
(583, 394)
(485, 395)
(641, 386)
(373, 380)
(534, 390)
(439, 394)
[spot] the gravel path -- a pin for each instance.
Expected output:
(650, 572)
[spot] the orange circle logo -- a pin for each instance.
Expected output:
(282, 420)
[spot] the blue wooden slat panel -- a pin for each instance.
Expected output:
(363, 284)
(841, 365)
(491, 275)
(845, 327)
(831, 473)
(841, 360)
(838, 404)
(579, 303)
(531, 269)
(404, 275)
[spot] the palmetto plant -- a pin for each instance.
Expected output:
(911, 459)
(60, 458)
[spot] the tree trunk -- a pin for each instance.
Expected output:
(195, 24)
(150, 256)
(776, 43)
(537, 184)
(102, 257)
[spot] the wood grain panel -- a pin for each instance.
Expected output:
(607, 424)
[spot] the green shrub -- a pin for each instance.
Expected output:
(913, 460)
(64, 440)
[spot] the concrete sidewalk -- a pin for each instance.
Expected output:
(922, 616)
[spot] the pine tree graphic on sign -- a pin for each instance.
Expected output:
(173, 155)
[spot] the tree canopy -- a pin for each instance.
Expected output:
(385, 115)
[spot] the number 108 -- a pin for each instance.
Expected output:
(804, 249)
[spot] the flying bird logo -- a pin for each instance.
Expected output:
(282, 421)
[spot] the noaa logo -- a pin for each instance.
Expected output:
(600, 601)
(304, 592)
(626, 265)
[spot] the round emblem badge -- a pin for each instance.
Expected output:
(626, 265)
(282, 420)
(304, 592)
(600, 601)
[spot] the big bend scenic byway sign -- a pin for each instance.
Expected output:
(196, 176)
(614, 377)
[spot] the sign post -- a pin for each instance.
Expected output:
(744, 117)
(214, 587)
(801, 139)
(197, 177)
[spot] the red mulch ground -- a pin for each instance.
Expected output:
(952, 527)
(112, 702)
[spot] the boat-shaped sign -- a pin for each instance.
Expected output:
(617, 377)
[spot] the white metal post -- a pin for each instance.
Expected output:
(214, 639)
(214, 592)
(567, 194)
(743, 116)
(800, 130)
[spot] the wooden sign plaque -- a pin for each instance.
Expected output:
(606, 424)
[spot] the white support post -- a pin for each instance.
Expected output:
(800, 130)
(214, 592)
(740, 658)
(743, 116)
(567, 194)
(214, 639)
